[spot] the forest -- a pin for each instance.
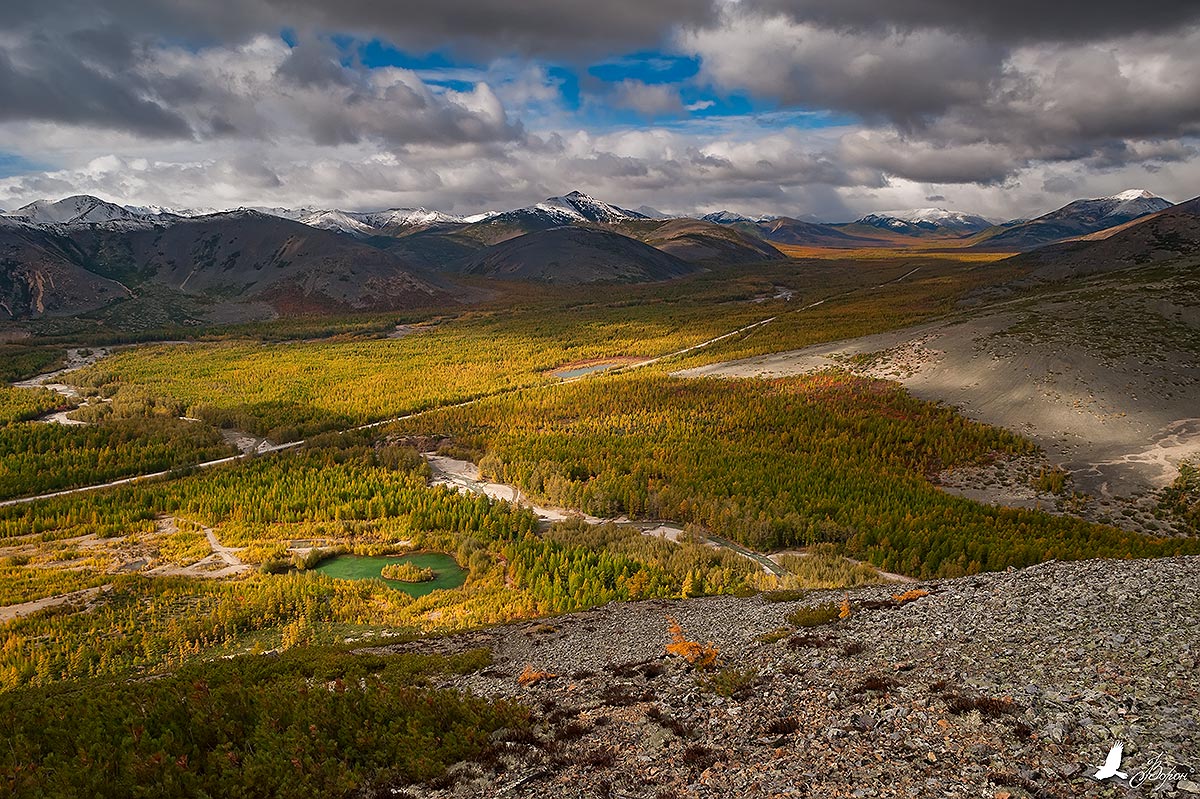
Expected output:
(289, 389)
(345, 491)
(130, 434)
(838, 465)
(317, 722)
(827, 458)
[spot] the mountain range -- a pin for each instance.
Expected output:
(81, 254)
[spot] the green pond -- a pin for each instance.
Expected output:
(363, 567)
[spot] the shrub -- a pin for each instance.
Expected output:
(775, 635)
(1051, 481)
(702, 656)
(813, 617)
(531, 676)
(729, 682)
(909, 596)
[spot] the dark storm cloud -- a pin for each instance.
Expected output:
(560, 28)
(1009, 21)
(43, 82)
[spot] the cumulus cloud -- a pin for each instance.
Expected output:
(959, 99)
(995, 108)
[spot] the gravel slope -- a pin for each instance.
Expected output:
(1067, 659)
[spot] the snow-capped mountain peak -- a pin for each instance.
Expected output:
(366, 223)
(1132, 194)
(930, 220)
(731, 218)
(77, 209)
(578, 206)
(1133, 203)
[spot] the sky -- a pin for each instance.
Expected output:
(808, 108)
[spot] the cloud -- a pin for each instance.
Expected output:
(36, 82)
(1017, 21)
(650, 99)
(851, 106)
(560, 28)
(963, 103)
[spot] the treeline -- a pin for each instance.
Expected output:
(774, 464)
(19, 362)
(307, 723)
(286, 391)
(1182, 497)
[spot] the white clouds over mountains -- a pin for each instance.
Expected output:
(993, 107)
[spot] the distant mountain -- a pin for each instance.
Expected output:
(731, 218)
(1164, 236)
(77, 209)
(369, 223)
(785, 230)
(651, 213)
(575, 208)
(926, 221)
(41, 275)
(236, 257)
(162, 210)
(574, 255)
(1078, 218)
(579, 207)
(696, 241)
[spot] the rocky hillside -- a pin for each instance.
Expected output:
(1000, 685)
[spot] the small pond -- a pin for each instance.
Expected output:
(585, 370)
(364, 567)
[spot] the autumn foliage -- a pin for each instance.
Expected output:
(909, 596)
(702, 656)
(531, 676)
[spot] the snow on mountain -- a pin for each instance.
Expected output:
(405, 216)
(652, 213)
(731, 218)
(294, 214)
(366, 223)
(78, 209)
(480, 217)
(339, 221)
(1132, 203)
(929, 220)
(164, 211)
(577, 207)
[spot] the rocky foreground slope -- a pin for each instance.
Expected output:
(999, 685)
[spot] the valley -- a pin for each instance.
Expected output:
(586, 418)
